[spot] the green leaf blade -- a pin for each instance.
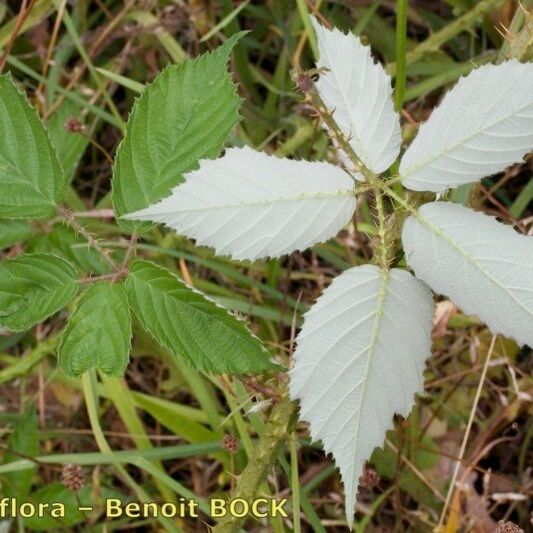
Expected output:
(185, 115)
(98, 333)
(191, 326)
(13, 232)
(34, 287)
(70, 145)
(24, 441)
(31, 179)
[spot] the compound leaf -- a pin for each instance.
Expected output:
(185, 115)
(191, 326)
(483, 125)
(34, 287)
(98, 333)
(358, 92)
(485, 267)
(31, 180)
(359, 360)
(248, 204)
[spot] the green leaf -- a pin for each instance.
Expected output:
(98, 333)
(34, 287)
(31, 180)
(70, 146)
(189, 325)
(24, 441)
(13, 232)
(185, 115)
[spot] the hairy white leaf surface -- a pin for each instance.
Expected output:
(248, 204)
(358, 92)
(359, 360)
(484, 124)
(485, 267)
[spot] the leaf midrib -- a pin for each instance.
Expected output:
(380, 305)
(279, 200)
(440, 233)
(168, 296)
(415, 168)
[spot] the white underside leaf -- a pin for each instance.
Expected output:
(483, 125)
(358, 93)
(359, 360)
(248, 204)
(484, 266)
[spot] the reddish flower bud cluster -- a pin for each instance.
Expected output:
(73, 125)
(73, 477)
(230, 442)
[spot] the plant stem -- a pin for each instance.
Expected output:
(95, 213)
(276, 432)
(519, 36)
(130, 251)
(381, 252)
(26, 363)
(104, 277)
(69, 217)
(295, 485)
(338, 135)
(308, 28)
(402, 201)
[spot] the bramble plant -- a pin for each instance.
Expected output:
(360, 354)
